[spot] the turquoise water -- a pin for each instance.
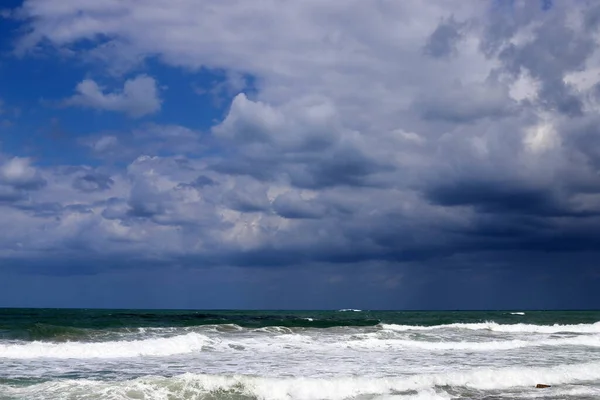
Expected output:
(14, 321)
(343, 354)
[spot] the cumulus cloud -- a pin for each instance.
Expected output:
(439, 133)
(18, 173)
(303, 142)
(139, 97)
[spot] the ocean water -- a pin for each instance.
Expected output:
(345, 354)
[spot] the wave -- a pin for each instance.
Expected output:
(517, 313)
(581, 392)
(60, 334)
(57, 333)
(585, 341)
(349, 309)
(415, 387)
(275, 340)
(507, 328)
(40, 331)
(275, 330)
(181, 344)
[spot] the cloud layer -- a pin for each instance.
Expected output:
(405, 134)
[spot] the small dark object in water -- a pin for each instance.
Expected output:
(542, 386)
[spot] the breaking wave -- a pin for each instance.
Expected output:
(117, 349)
(415, 387)
(590, 341)
(507, 328)
(266, 340)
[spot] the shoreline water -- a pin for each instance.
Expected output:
(291, 354)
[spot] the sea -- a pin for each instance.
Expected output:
(304, 355)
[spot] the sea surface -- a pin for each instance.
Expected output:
(344, 354)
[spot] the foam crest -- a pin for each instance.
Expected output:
(420, 395)
(118, 349)
(508, 328)
(280, 340)
(280, 330)
(559, 393)
(374, 342)
(591, 341)
(415, 387)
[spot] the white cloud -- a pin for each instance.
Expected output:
(18, 173)
(105, 143)
(139, 97)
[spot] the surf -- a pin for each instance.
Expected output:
(423, 386)
(496, 327)
(269, 340)
(113, 349)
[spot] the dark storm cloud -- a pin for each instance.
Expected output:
(554, 50)
(246, 201)
(114, 208)
(34, 183)
(502, 197)
(93, 182)
(344, 166)
(505, 19)
(442, 42)
(41, 209)
(592, 17)
(459, 104)
(24, 182)
(305, 145)
(10, 195)
(261, 170)
(347, 166)
(145, 201)
(292, 206)
(201, 181)
(584, 137)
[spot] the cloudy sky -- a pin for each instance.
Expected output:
(300, 154)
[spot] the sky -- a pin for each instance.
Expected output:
(314, 154)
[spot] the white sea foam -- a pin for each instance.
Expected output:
(282, 330)
(509, 328)
(590, 341)
(268, 340)
(413, 387)
(517, 313)
(585, 392)
(349, 309)
(117, 349)
(420, 395)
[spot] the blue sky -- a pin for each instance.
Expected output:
(208, 154)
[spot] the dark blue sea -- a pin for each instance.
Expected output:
(343, 354)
